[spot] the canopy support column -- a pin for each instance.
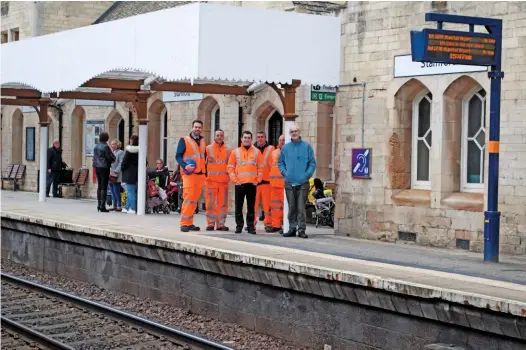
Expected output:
(142, 116)
(289, 107)
(44, 123)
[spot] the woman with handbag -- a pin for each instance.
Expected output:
(102, 159)
(116, 175)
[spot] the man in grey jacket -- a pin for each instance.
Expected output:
(297, 164)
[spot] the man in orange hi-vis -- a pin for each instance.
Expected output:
(263, 189)
(245, 167)
(277, 188)
(217, 183)
(191, 148)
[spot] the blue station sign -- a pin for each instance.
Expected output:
(453, 47)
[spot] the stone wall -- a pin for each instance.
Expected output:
(442, 211)
(34, 18)
(56, 16)
(306, 310)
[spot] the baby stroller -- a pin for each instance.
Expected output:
(156, 197)
(324, 205)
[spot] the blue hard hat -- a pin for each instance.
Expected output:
(190, 162)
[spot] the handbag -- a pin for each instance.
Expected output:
(113, 178)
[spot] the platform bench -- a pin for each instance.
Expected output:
(15, 173)
(80, 177)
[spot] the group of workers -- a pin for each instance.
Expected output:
(260, 173)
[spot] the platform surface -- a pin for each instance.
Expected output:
(446, 271)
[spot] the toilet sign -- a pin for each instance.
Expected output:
(361, 163)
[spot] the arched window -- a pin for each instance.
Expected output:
(275, 128)
(217, 119)
(473, 141)
(422, 137)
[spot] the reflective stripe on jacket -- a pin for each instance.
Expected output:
(276, 179)
(266, 157)
(216, 162)
(192, 152)
(245, 165)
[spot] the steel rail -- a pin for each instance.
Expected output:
(33, 335)
(177, 336)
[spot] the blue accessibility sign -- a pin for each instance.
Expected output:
(361, 163)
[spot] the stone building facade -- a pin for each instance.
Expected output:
(427, 127)
(428, 133)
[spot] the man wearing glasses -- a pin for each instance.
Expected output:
(297, 164)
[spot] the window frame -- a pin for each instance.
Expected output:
(464, 185)
(213, 121)
(415, 183)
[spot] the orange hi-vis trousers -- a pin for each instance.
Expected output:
(277, 195)
(263, 196)
(192, 188)
(216, 203)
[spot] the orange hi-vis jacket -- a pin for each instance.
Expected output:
(216, 162)
(276, 179)
(195, 153)
(266, 156)
(245, 165)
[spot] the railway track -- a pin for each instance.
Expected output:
(36, 316)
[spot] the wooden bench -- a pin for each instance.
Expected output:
(80, 177)
(15, 173)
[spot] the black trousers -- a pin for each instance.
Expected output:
(54, 178)
(297, 197)
(242, 191)
(103, 177)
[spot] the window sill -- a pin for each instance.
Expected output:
(412, 197)
(465, 201)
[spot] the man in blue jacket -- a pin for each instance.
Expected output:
(297, 164)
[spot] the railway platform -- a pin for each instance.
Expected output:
(323, 290)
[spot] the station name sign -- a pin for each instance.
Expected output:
(453, 47)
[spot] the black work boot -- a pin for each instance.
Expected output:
(302, 234)
(291, 233)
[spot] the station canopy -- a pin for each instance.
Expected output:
(199, 43)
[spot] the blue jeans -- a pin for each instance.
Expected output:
(116, 194)
(131, 203)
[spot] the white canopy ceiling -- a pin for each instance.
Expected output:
(193, 42)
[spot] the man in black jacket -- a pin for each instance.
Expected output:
(54, 166)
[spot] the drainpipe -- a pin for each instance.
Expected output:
(130, 125)
(239, 125)
(60, 121)
(35, 24)
(363, 84)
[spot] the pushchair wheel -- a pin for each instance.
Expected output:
(166, 210)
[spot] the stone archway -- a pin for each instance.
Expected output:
(400, 141)
(77, 140)
(156, 110)
(17, 137)
(268, 119)
(116, 126)
(206, 108)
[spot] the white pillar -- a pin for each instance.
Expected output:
(288, 125)
(43, 163)
(141, 184)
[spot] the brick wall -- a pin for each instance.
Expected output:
(380, 207)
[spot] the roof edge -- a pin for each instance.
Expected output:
(106, 13)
